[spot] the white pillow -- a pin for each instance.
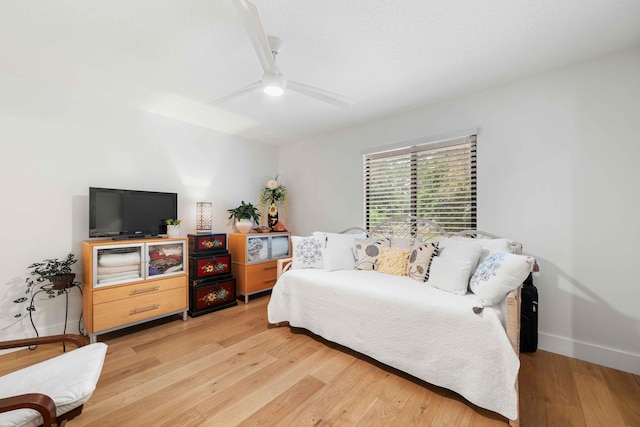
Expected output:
(490, 246)
(456, 261)
(338, 251)
(339, 258)
(499, 274)
(306, 252)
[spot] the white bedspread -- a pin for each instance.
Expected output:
(426, 332)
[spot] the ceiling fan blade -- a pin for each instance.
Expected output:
(321, 94)
(257, 35)
(247, 88)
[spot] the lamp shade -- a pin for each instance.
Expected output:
(203, 217)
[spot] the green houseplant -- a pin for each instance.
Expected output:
(51, 276)
(245, 216)
(55, 271)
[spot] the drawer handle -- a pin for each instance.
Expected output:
(139, 291)
(147, 308)
(269, 280)
(273, 267)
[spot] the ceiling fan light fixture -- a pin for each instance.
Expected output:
(273, 84)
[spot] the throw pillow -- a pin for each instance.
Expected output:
(456, 261)
(393, 261)
(489, 246)
(339, 258)
(306, 252)
(420, 261)
(367, 252)
(499, 274)
(337, 253)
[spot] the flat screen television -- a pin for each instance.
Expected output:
(129, 213)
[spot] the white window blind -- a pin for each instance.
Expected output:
(435, 181)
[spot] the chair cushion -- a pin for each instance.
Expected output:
(69, 379)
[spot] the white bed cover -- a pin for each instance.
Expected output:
(428, 333)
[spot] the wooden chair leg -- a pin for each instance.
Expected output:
(62, 419)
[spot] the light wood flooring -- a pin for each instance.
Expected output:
(229, 368)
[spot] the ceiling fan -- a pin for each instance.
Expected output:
(273, 82)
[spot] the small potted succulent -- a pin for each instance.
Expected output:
(173, 227)
(245, 216)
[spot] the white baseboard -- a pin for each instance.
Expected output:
(592, 353)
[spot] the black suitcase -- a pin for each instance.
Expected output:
(529, 317)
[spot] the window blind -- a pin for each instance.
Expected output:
(435, 181)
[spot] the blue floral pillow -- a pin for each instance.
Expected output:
(306, 252)
(499, 274)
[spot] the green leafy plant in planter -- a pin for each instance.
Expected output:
(51, 276)
(172, 221)
(245, 215)
(245, 211)
(54, 271)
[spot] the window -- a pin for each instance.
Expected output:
(435, 181)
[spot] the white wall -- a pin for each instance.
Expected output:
(56, 144)
(557, 170)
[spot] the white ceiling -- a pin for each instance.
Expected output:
(173, 57)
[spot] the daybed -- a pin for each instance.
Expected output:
(462, 342)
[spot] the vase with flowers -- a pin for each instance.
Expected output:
(272, 194)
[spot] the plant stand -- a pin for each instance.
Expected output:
(49, 289)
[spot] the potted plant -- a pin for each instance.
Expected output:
(173, 227)
(245, 216)
(57, 272)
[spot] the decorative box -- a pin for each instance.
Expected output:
(207, 243)
(211, 296)
(209, 266)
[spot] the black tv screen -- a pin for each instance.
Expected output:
(129, 213)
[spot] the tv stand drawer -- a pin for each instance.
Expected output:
(117, 313)
(137, 289)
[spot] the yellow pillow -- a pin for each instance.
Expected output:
(393, 261)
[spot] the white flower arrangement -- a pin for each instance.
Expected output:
(274, 191)
(272, 184)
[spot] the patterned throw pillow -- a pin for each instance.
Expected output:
(393, 261)
(499, 274)
(306, 252)
(367, 252)
(420, 261)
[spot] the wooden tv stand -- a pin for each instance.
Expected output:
(132, 282)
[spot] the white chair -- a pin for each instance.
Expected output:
(54, 391)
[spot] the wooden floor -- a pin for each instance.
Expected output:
(229, 368)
